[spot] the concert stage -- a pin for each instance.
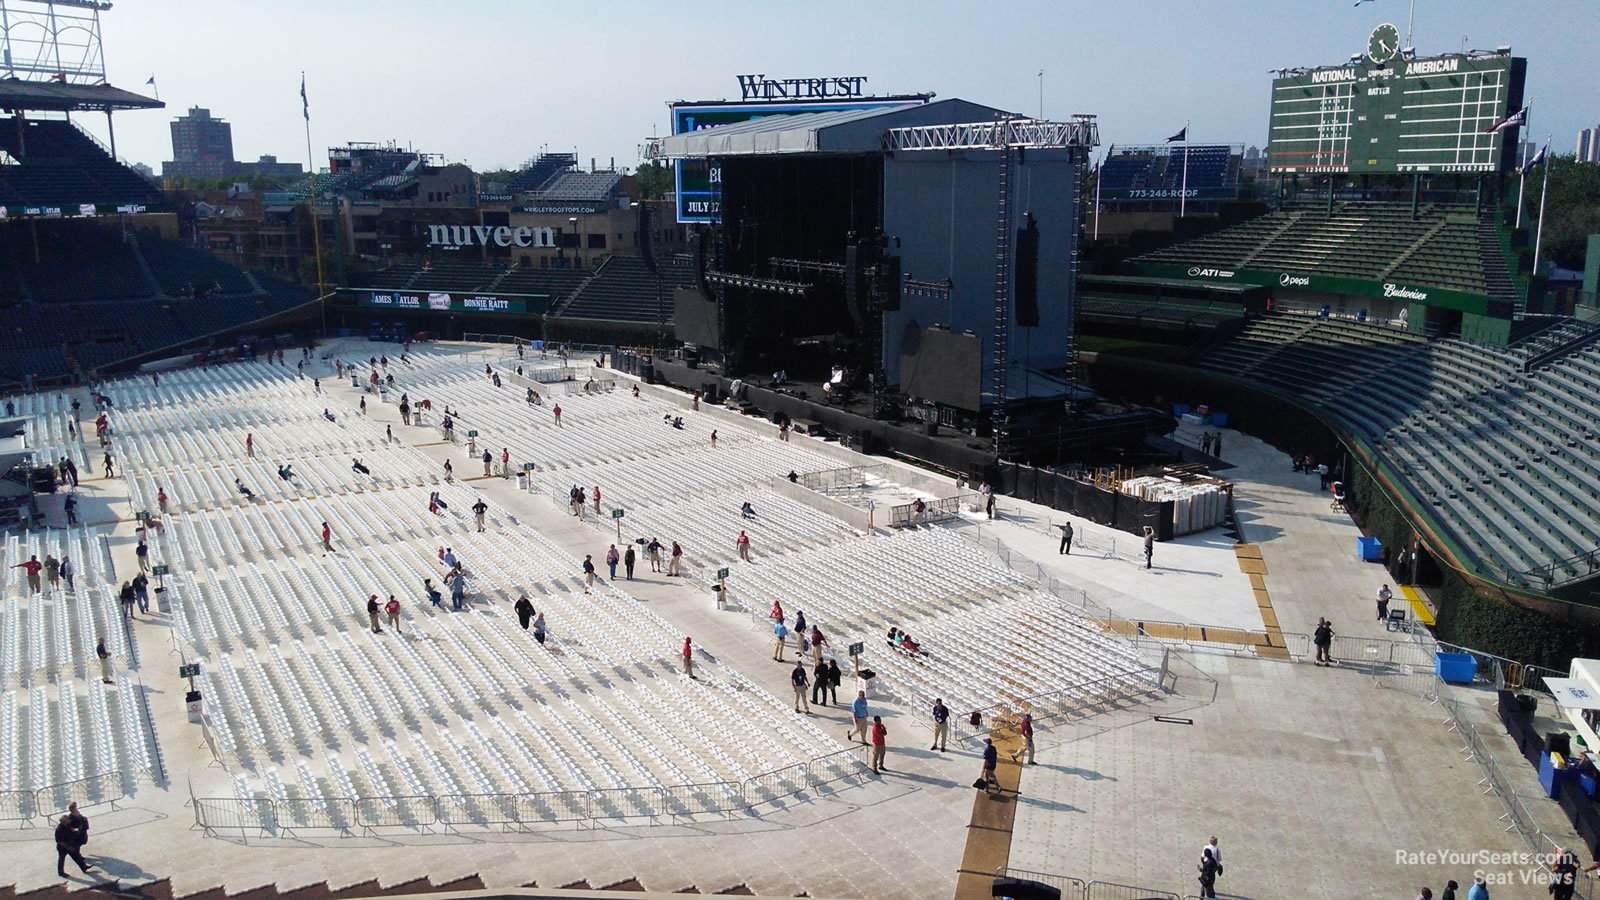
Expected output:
(1106, 433)
(924, 255)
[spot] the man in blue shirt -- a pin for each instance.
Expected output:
(780, 632)
(991, 760)
(798, 679)
(941, 724)
(858, 711)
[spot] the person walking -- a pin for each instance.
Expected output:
(488, 463)
(52, 571)
(654, 551)
(363, 404)
(675, 561)
(834, 677)
(105, 660)
(1026, 730)
(628, 560)
(713, 439)
(327, 538)
(1384, 596)
(799, 681)
(880, 743)
(1149, 545)
(688, 657)
(478, 511)
(742, 542)
(780, 635)
(458, 587)
(110, 470)
(525, 611)
(612, 558)
(819, 683)
(67, 572)
(71, 504)
(69, 841)
(858, 717)
(941, 724)
(33, 567)
(1209, 868)
(988, 505)
(449, 472)
(161, 499)
(141, 592)
(142, 551)
(991, 761)
(72, 472)
(588, 572)
(1478, 891)
(1066, 539)
(1323, 639)
(817, 640)
(596, 495)
(392, 609)
(372, 613)
(538, 628)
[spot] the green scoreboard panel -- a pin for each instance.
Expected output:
(1405, 115)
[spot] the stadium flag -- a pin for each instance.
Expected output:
(150, 81)
(1522, 178)
(305, 105)
(1520, 117)
(1182, 135)
(1537, 159)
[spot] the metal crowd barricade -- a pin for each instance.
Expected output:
(16, 805)
(1070, 888)
(53, 800)
(1107, 890)
(712, 798)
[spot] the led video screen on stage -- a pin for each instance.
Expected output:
(696, 178)
(437, 301)
(1406, 115)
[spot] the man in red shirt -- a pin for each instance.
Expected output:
(1026, 730)
(557, 410)
(880, 740)
(34, 567)
(327, 538)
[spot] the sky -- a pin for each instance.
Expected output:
(493, 82)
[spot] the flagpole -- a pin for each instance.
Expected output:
(1538, 234)
(1522, 179)
(316, 232)
(1183, 193)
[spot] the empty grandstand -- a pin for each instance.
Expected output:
(85, 297)
(1134, 175)
(1488, 442)
(55, 164)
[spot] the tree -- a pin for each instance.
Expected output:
(1573, 209)
(653, 180)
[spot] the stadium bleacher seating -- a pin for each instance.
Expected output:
(95, 296)
(540, 170)
(623, 289)
(1161, 170)
(1360, 239)
(53, 163)
(180, 270)
(583, 187)
(1504, 459)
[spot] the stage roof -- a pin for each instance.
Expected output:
(833, 131)
(55, 96)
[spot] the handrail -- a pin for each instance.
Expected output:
(1590, 336)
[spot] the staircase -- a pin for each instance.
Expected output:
(560, 306)
(1399, 260)
(1496, 276)
(149, 274)
(1289, 222)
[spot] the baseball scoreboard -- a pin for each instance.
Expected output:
(696, 179)
(1388, 114)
